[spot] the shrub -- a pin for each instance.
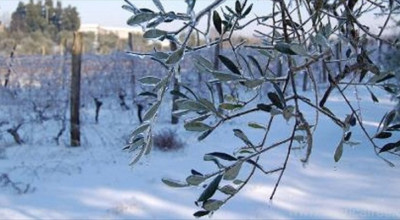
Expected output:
(167, 140)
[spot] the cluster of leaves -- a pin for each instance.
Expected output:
(303, 42)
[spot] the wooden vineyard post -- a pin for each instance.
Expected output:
(75, 89)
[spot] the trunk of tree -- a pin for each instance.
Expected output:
(76, 89)
(7, 76)
(98, 104)
(220, 91)
(122, 103)
(174, 119)
(14, 133)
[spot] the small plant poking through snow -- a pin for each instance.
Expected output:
(167, 140)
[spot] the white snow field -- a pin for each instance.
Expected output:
(95, 181)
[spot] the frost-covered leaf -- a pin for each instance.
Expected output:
(238, 182)
(196, 126)
(389, 146)
(151, 94)
(288, 112)
(131, 8)
(208, 157)
(257, 64)
(338, 152)
(275, 100)
(248, 10)
(228, 190)
(240, 134)
(201, 213)
(256, 125)
(223, 156)
(383, 135)
(321, 40)
(229, 64)
(217, 22)
(389, 118)
(209, 105)
(238, 7)
(191, 105)
(210, 190)
(264, 107)
(230, 106)
(135, 143)
(161, 85)
(212, 204)
(138, 156)
(195, 180)
(373, 97)
(158, 4)
(174, 183)
(284, 48)
(204, 135)
(200, 118)
(233, 172)
(155, 22)
(154, 33)
(152, 111)
(175, 57)
(225, 77)
(143, 127)
(150, 80)
(253, 83)
(195, 172)
(179, 113)
(149, 145)
(298, 49)
(160, 55)
(178, 93)
(203, 62)
(140, 18)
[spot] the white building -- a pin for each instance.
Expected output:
(121, 32)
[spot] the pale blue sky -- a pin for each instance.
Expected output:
(107, 12)
(110, 13)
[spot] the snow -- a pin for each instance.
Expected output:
(95, 181)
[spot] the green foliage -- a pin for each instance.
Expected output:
(44, 17)
(305, 44)
(37, 28)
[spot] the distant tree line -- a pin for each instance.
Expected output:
(45, 17)
(37, 27)
(44, 27)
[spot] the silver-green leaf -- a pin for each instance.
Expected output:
(152, 111)
(154, 33)
(175, 57)
(173, 183)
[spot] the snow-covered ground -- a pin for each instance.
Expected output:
(95, 182)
